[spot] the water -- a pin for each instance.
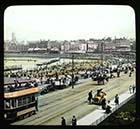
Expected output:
(30, 63)
(27, 63)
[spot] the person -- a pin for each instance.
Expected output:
(32, 84)
(118, 73)
(132, 70)
(41, 81)
(130, 74)
(99, 91)
(90, 96)
(36, 104)
(133, 87)
(63, 121)
(108, 108)
(56, 75)
(130, 89)
(74, 121)
(116, 99)
(107, 79)
(16, 83)
(103, 103)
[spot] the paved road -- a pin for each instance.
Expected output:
(69, 102)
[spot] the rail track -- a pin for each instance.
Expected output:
(69, 101)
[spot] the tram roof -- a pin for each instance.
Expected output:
(21, 92)
(8, 80)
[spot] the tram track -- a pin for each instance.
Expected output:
(67, 102)
(62, 105)
(59, 96)
(55, 104)
(113, 89)
(82, 113)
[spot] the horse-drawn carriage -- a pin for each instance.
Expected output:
(100, 78)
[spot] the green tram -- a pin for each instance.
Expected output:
(20, 98)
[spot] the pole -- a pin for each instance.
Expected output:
(72, 70)
(102, 54)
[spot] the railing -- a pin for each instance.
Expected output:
(113, 110)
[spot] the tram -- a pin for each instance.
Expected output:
(20, 98)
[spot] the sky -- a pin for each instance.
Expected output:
(68, 22)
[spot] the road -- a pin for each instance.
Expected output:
(69, 102)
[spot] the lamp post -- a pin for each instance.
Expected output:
(101, 53)
(72, 70)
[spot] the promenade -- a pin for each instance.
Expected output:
(98, 115)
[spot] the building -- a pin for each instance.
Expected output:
(109, 47)
(83, 47)
(91, 47)
(123, 47)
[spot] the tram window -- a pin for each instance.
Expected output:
(19, 102)
(24, 101)
(16, 102)
(7, 103)
(33, 98)
(13, 103)
(4, 104)
(29, 99)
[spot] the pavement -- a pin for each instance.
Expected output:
(99, 115)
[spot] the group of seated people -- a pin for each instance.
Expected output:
(18, 85)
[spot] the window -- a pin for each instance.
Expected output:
(29, 99)
(13, 103)
(19, 101)
(33, 98)
(24, 101)
(7, 104)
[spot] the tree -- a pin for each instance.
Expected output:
(109, 39)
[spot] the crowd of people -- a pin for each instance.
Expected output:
(98, 72)
(42, 76)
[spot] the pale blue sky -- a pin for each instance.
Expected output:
(67, 22)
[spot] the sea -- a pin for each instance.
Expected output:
(28, 63)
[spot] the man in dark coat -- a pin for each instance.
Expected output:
(117, 99)
(133, 87)
(130, 74)
(108, 108)
(103, 103)
(90, 96)
(118, 73)
(63, 121)
(74, 121)
(98, 92)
